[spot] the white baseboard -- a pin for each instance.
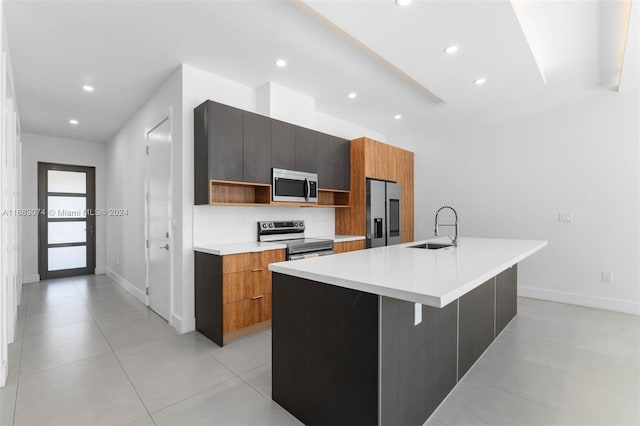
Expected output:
(616, 305)
(133, 290)
(183, 325)
(30, 278)
(4, 373)
(101, 271)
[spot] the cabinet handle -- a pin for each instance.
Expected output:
(257, 297)
(257, 270)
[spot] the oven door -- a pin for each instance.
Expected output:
(292, 186)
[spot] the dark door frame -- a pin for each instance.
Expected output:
(43, 219)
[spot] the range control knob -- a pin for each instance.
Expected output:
(264, 225)
(271, 225)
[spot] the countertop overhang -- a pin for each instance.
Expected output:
(430, 277)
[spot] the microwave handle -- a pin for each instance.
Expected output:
(308, 186)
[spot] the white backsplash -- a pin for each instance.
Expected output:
(233, 224)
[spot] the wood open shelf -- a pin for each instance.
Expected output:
(333, 198)
(228, 193)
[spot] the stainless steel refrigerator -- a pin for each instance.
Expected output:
(384, 213)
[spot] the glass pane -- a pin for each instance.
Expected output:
(67, 257)
(67, 206)
(59, 181)
(67, 232)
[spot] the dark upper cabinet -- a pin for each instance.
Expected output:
(342, 168)
(306, 160)
(256, 140)
(333, 162)
(235, 145)
(225, 143)
(283, 145)
(325, 147)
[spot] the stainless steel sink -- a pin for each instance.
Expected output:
(431, 246)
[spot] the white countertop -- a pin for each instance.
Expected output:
(255, 246)
(430, 277)
(235, 248)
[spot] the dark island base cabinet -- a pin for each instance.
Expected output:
(231, 144)
(351, 358)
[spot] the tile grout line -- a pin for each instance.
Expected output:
(24, 332)
(116, 357)
(250, 385)
(556, 409)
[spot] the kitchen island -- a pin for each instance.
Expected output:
(381, 336)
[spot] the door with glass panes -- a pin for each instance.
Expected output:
(67, 220)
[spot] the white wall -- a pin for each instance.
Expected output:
(216, 224)
(126, 255)
(512, 179)
(10, 204)
(50, 149)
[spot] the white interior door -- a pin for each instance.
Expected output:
(159, 218)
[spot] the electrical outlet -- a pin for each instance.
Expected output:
(117, 260)
(607, 277)
(565, 217)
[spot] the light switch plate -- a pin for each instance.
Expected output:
(565, 217)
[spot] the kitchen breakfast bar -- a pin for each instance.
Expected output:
(381, 336)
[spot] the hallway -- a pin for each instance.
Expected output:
(87, 352)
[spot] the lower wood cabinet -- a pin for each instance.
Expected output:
(349, 246)
(232, 292)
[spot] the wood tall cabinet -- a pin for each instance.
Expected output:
(377, 160)
(233, 291)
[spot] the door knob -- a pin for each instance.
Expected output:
(166, 247)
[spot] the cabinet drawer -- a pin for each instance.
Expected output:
(257, 282)
(245, 284)
(250, 261)
(233, 287)
(233, 316)
(349, 246)
(262, 259)
(257, 309)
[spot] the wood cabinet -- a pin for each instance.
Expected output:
(239, 146)
(256, 146)
(232, 292)
(346, 246)
(373, 159)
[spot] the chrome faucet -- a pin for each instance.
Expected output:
(455, 241)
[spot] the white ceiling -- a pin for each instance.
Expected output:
(392, 57)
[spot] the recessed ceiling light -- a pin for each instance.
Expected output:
(281, 63)
(87, 88)
(397, 116)
(451, 50)
(403, 2)
(480, 81)
(352, 95)
(73, 121)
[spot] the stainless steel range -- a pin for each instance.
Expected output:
(291, 233)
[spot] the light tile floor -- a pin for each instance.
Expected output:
(87, 352)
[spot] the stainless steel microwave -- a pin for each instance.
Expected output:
(293, 186)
